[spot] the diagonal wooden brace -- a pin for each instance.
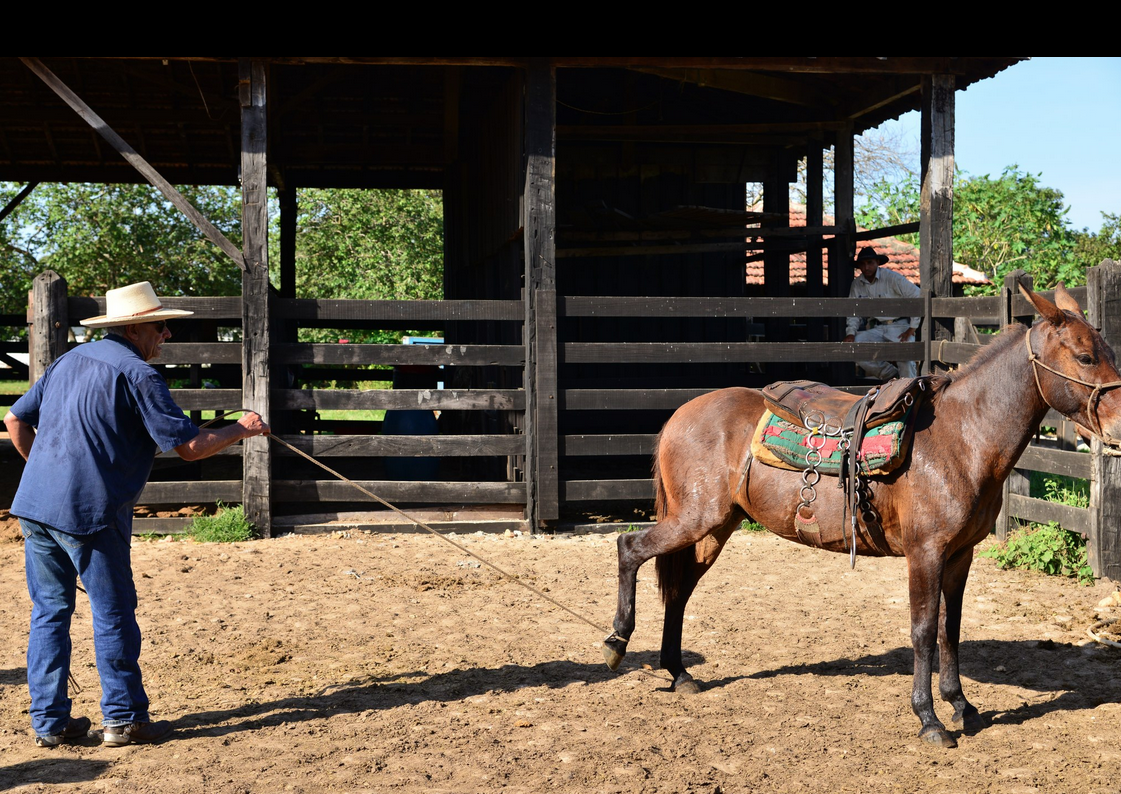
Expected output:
(138, 162)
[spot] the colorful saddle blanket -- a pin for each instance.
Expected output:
(784, 445)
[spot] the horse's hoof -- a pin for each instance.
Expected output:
(613, 657)
(685, 685)
(938, 736)
(970, 720)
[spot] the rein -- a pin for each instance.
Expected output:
(1091, 402)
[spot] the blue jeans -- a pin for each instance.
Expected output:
(54, 560)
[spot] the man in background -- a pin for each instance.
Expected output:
(877, 282)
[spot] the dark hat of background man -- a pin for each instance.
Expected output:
(870, 253)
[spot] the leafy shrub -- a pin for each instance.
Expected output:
(1050, 549)
(227, 526)
(1066, 490)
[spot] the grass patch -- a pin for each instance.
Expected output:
(227, 526)
(1049, 548)
(751, 526)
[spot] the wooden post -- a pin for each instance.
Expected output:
(1017, 482)
(288, 214)
(541, 297)
(843, 249)
(1103, 291)
(936, 204)
(257, 452)
(815, 216)
(844, 169)
(776, 263)
(49, 321)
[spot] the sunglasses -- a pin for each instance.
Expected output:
(160, 325)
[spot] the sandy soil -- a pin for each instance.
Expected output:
(364, 662)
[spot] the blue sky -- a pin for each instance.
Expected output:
(1059, 117)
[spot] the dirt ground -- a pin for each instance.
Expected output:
(365, 663)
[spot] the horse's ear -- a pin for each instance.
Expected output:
(1045, 308)
(1064, 300)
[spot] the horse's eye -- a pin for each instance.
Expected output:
(1085, 360)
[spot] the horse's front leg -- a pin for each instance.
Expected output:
(966, 717)
(924, 577)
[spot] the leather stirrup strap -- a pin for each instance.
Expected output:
(850, 467)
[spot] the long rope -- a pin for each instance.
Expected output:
(444, 538)
(424, 526)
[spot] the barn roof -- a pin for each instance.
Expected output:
(393, 122)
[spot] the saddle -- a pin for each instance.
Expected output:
(825, 411)
(799, 401)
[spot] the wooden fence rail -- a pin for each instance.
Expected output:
(197, 359)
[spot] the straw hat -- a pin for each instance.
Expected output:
(136, 303)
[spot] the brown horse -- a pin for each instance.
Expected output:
(968, 434)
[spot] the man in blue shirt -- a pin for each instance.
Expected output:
(89, 430)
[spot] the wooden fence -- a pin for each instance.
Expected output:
(204, 363)
(489, 425)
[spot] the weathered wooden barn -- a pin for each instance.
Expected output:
(595, 246)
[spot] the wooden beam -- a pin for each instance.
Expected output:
(815, 215)
(609, 306)
(936, 207)
(288, 215)
(395, 491)
(599, 490)
(17, 199)
(839, 64)
(1040, 511)
(539, 197)
(765, 86)
(736, 352)
(400, 446)
(404, 311)
(399, 399)
(394, 355)
(138, 162)
(255, 291)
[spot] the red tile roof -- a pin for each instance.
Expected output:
(904, 258)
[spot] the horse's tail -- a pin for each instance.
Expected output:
(672, 567)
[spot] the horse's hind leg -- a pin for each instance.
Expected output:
(670, 534)
(966, 717)
(678, 575)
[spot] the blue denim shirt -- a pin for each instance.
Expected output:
(100, 413)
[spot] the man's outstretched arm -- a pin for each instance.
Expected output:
(210, 442)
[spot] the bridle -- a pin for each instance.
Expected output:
(1091, 402)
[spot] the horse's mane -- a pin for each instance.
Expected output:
(1010, 335)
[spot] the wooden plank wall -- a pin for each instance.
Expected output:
(357, 453)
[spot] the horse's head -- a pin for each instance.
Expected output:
(1075, 369)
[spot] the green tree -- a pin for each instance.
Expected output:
(891, 203)
(18, 263)
(99, 237)
(1000, 224)
(1014, 222)
(1090, 248)
(371, 245)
